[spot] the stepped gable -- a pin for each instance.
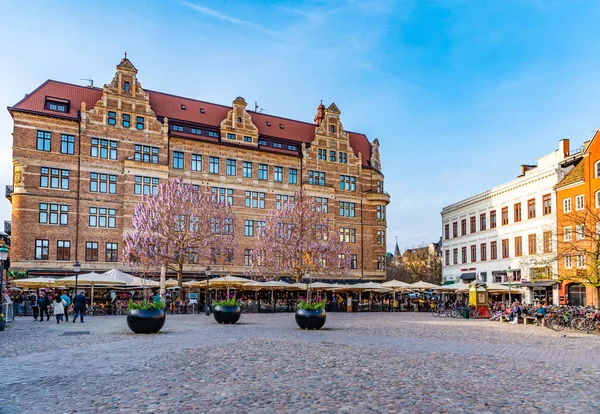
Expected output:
(170, 106)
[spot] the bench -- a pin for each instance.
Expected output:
(504, 318)
(528, 320)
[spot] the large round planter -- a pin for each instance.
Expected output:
(2, 324)
(227, 314)
(310, 319)
(146, 321)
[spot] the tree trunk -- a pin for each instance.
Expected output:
(180, 281)
(163, 274)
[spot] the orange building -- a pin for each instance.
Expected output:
(578, 228)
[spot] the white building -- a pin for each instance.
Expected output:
(507, 233)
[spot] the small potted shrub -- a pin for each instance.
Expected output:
(2, 322)
(311, 315)
(146, 317)
(226, 311)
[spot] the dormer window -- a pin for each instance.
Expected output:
(182, 107)
(56, 104)
(201, 110)
(177, 128)
(126, 86)
(268, 123)
(281, 126)
(262, 142)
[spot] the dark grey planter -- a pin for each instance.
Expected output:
(310, 319)
(146, 321)
(227, 314)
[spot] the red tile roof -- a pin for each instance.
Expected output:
(166, 105)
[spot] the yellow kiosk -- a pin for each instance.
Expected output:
(478, 297)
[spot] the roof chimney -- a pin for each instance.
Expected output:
(563, 147)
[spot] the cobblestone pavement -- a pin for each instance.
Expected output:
(369, 362)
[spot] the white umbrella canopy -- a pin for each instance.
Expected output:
(396, 284)
(276, 284)
(325, 286)
(365, 287)
(93, 278)
(449, 288)
(498, 288)
(420, 285)
(171, 282)
(229, 280)
(34, 282)
(130, 280)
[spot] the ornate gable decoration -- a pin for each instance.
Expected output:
(239, 124)
(375, 161)
(123, 101)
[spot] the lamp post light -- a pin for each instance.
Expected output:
(76, 269)
(3, 256)
(207, 309)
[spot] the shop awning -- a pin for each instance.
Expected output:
(540, 283)
(468, 276)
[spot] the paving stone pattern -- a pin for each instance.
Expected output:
(371, 362)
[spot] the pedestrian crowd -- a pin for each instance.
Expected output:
(44, 302)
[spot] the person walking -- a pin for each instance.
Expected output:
(67, 301)
(17, 299)
(59, 309)
(44, 302)
(79, 303)
(35, 306)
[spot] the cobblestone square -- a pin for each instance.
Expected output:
(366, 362)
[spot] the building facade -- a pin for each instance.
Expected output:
(507, 233)
(578, 229)
(84, 157)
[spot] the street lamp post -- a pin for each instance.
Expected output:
(76, 269)
(206, 308)
(509, 284)
(3, 256)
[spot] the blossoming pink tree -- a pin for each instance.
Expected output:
(180, 224)
(299, 240)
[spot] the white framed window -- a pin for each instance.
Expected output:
(579, 202)
(568, 233)
(567, 205)
(597, 169)
(598, 230)
(580, 232)
(597, 199)
(568, 263)
(580, 261)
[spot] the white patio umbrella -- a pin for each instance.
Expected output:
(91, 279)
(396, 285)
(420, 285)
(130, 280)
(35, 282)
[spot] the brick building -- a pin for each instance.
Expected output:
(84, 156)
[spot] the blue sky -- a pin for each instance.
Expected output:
(459, 92)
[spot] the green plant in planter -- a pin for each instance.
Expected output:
(226, 302)
(145, 305)
(314, 305)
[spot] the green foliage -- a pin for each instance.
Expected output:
(302, 304)
(145, 305)
(225, 302)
